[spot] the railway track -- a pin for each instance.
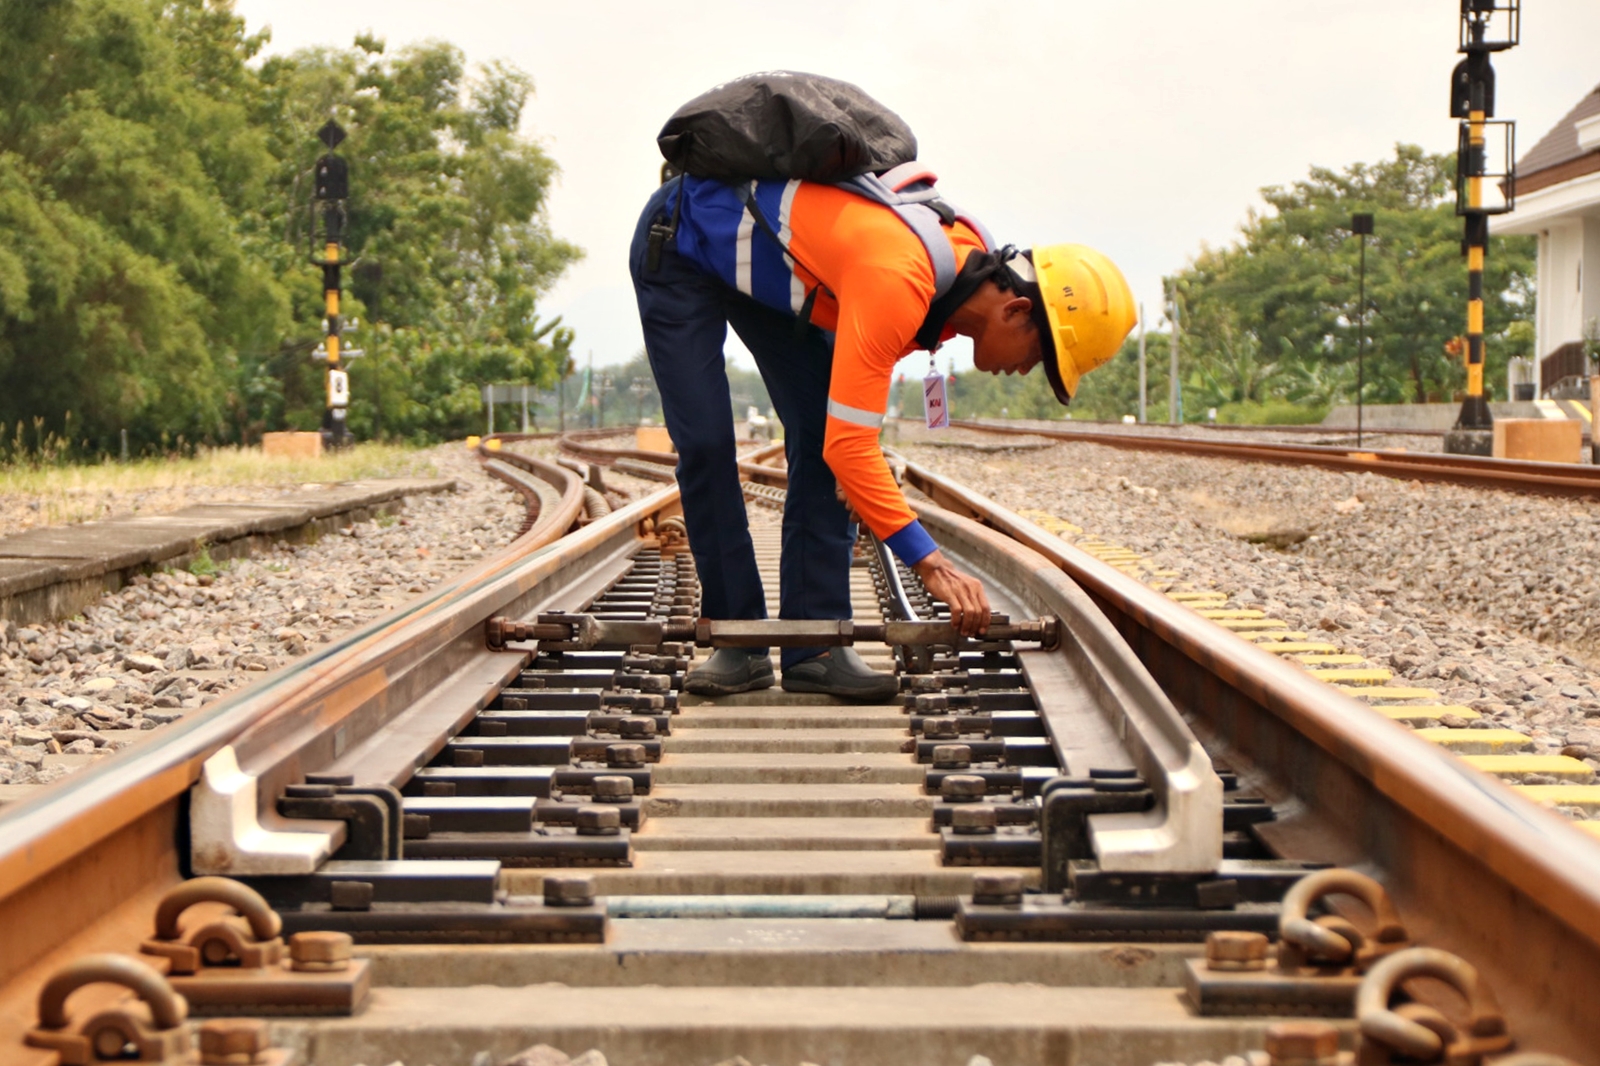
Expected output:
(1552, 479)
(502, 796)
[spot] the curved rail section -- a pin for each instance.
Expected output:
(1552, 479)
(80, 850)
(1479, 869)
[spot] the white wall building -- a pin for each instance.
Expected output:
(1558, 200)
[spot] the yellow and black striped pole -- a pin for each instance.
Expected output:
(330, 190)
(1487, 26)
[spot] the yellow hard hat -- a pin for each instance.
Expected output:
(1088, 310)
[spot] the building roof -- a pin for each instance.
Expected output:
(1557, 157)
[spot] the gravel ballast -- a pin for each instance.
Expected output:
(175, 641)
(1488, 597)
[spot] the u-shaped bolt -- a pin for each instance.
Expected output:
(168, 1009)
(264, 921)
(1301, 937)
(1390, 1032)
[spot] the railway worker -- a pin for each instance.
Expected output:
(826, 333)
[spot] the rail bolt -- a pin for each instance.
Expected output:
(1303, 1044)
(613, 788)
(940, 728)
(597, 821)
(952, 757)
(156, 1035)
(568, 891)
(1412, 1032)
(997, 889)
(248, 937)
(625, 756)
(639, 728)
(232, 1041)
(1236, 950)
(320, 951)
(962, 788)
(1332, 941)
(976, 820)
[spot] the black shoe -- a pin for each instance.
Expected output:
(727, 671)
(840, 672)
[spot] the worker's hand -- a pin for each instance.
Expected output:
(969, 605)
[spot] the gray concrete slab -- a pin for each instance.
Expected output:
(765, 952)
(54, 571)
(756, 768)
(759, 832)
(788, 801)
(1019, 1025)
(769, 873)
(687, 739)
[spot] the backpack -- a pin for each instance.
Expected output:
(784, 124)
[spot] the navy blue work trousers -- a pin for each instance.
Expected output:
(686, 314)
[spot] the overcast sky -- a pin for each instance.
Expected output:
(1142, 128)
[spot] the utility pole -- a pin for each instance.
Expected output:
(1143, 392)
(1487, 26)
(1174, 389)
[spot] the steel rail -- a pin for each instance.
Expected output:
(1556, 479)
(79, 849)
(1477, 869)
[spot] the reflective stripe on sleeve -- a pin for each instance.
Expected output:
(856, 415)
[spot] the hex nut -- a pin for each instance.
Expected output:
(962, 788)
(320, 951)
(1303, 1044)
(932, 703)
(643, 728)
(978, 819)
(613, 788)
(350, 895)
(625, 756)
(568, 891)
(997, 889)
(1235, 950)
(940, 728)
(598, 821)
(232, 1041)
(952, 757)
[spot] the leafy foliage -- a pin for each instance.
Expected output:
(1271, 320)
(153, 201)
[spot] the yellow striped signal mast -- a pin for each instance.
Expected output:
(1482, 189)
(330, 190)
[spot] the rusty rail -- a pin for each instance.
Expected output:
(103, 841)
(1480, 870)
(1554, 479)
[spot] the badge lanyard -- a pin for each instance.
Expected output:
(935, 407)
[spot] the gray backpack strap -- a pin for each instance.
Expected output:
(975, 226)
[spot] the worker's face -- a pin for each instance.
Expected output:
(1009, 343)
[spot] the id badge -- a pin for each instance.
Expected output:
(934, 407)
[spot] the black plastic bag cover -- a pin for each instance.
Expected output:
(785, 124)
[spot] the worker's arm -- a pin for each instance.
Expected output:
(878, 316)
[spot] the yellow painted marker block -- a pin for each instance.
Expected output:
(1590, 826)
(1370, 676)
(1295, 647)
(1251, 623)
(1585, 796)
(1425, 712)
(1215, 613)
(1199, 597)
(1477, 741)
(1549, 765)
(1322, 659)
(472, 442)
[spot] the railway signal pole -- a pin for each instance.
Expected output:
(1361, 225)
(1487, 26)
(330, 190)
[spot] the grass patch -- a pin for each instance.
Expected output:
(59, 493)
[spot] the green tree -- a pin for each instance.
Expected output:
(1285, 295)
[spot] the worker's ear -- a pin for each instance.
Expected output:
(1015, 308)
